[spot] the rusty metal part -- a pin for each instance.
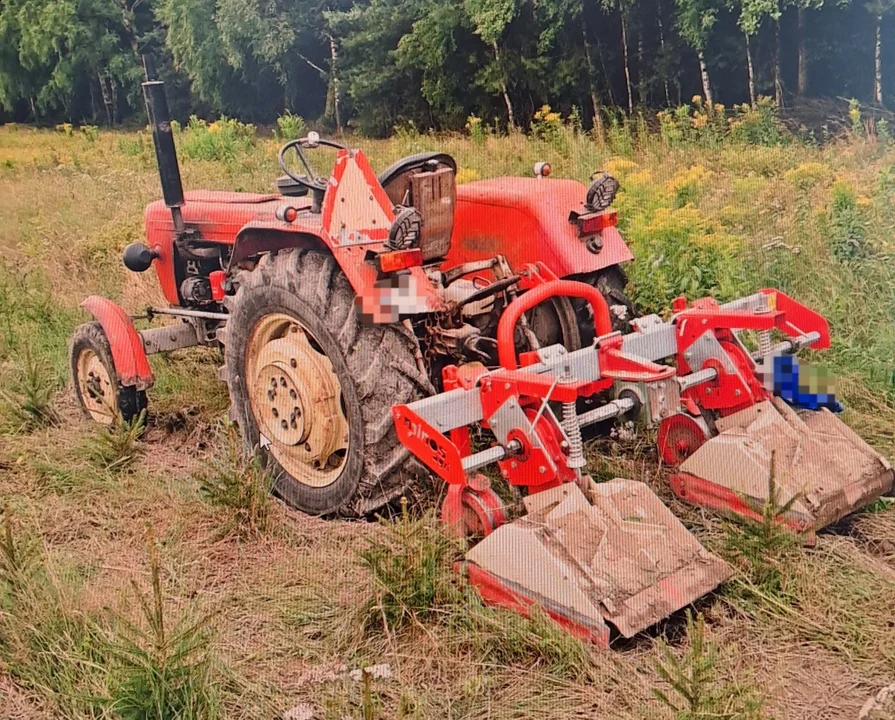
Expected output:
(166, 339)
(296, 399)
(620, 557)
(817, 459)
(98, 392)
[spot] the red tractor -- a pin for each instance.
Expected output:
(339, 296)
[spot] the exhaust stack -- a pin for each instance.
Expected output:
(165, 154)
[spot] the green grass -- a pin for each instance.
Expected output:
(297, 603)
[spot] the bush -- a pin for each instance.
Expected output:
(758, 125)
(223, 139)
(91, 133)
(411, 571)
(806, 175)
(476, 129)
(679, 252)
(239, 485)
(291, 126)
(848, 231)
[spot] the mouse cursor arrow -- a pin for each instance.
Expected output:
(264, 442)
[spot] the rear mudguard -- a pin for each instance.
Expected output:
(527, 220)
(131, 363)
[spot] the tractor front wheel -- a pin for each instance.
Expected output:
(97, 387)
(313, 388)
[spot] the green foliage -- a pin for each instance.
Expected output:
(90, 132)
(854, 115)
(116, 447)
(239, 485)
(27, 401)
(291, 126)
(848, 230)
(410, 571)
(162, 669)
(680, 252)
(695, 691)
(759, 125)
(46, 646)
(223, 139)
(764, 548)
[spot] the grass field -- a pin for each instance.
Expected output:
(142, 577)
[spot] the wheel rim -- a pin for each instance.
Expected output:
(296, 400)
(95, 387)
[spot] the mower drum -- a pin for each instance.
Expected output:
(811, 456)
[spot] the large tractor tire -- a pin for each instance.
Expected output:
(313, 387)
(97, 387)
(611, 283)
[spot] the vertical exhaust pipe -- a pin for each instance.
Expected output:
(163, 140)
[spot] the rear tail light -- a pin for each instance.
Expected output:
(396, 260)
(596, 222)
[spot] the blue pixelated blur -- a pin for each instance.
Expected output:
(803, 385)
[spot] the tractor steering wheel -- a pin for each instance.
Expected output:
(312, 181)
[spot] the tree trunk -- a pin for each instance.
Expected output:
(627, 63)
(778, 73)
(704, 71)
(594, 97)
(749, 67)
(107, 96)
(116, 115)
(605, 72)
(878, 63)
(511, 118)
(664, 58)
(641, 70)
(334, 82)
(802, 87)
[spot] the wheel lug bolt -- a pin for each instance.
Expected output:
(293, 424)
(284, 424)
(293, 394)
(293, 362)
(282, 381)
(275, 412)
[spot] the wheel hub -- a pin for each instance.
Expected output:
(95, 388)
(296, 399)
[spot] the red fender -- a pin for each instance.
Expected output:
(128, 354)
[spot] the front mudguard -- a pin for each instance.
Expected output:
(131, 363)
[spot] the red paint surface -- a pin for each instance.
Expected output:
(128, 354)
(527, 220)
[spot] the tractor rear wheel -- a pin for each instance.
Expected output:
(97, 387)
(313, 386)
(611, 283)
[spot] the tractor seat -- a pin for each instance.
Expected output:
(426, 181)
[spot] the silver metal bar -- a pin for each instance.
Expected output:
(608, 411)
(697, 378)
(789, 347)
(180, 312)
(491, 455)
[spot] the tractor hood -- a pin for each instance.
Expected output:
(527, 220)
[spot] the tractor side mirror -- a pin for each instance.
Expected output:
(138, 257)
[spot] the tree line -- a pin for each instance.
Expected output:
(378, 64)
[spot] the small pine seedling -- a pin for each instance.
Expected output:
(116, 447)
(162, 670)
(241, 486)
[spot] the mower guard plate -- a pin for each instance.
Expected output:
(817, 457)
(620, 558)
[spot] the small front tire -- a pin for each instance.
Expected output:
(97, 389)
